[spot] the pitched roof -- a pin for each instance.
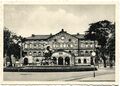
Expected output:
(62, 31)
(38, 37)
(44, 37)
(79, 36)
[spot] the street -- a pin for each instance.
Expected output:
(103, 74)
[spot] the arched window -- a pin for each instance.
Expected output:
(34, 53)
(85, 61)
(39, 53)
(25, 61)
(81, 52)
(91, 52)
(79, 60)
(69, 51)
(55, 40)
(60, 61)
(86, 52)
(67, 60)
(37, 60)
(86, 45)
(34, 45)
(30, 53)
(91, 45)
(70, 40)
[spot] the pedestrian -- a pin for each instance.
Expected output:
(13, 60)
(7, 61)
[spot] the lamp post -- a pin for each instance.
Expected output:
(94, 53)
(93, 56)
(20, 44)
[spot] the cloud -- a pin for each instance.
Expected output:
(44, 21)
(40, 20)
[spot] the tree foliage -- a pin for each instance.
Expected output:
(11, 44)
(110, 47)
(101, 32)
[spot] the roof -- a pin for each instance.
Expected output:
(45, 37)
(79, 36)
(38, 37)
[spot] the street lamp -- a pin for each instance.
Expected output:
(94, 53)
(93, 56)
(20, 44)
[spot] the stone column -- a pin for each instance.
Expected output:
(63, 61)
(72, 61)
(57, 61)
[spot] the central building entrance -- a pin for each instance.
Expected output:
(67, 61)
(62, 58)
(25, 61)
(60, 61)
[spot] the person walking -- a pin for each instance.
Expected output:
(13, 60)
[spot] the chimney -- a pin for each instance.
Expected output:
(33, 35)
(50, 34)
(62, 30)
(78, 34)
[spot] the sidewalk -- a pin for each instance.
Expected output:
(103, 74)
(106, 77)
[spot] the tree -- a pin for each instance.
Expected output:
(7, 42)
(11, 44)
(110, 47)
(7, 35)
(100, 31)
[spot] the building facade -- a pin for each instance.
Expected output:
(67, 49)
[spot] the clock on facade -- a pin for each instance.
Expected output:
(62, 37)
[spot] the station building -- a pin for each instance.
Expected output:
(67, 49)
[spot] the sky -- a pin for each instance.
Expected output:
(25, 20)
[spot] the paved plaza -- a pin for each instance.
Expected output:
(103, 74)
